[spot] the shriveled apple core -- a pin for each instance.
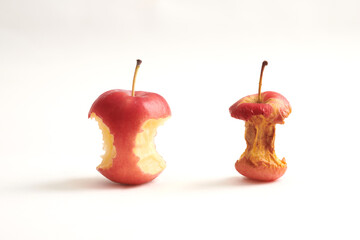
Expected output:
(150, 161)
(260, 139)
(108, 146)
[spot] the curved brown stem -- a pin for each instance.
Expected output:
(264, 63)
(138, 62)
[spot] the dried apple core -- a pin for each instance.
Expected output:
(108, 146)
(260, 139)
(150, 161)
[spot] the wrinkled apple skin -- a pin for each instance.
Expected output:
(273, 106)
(124, 115)
(262, 172)
(259, 160)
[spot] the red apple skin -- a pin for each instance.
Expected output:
(262, 116)
(124, 115)
(273, 106)
(261, 173)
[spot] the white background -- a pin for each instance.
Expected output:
(57, 57)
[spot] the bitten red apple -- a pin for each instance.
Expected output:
(129, 121)
(261, 112)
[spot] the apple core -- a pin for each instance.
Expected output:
(261, 112)
(128, 120)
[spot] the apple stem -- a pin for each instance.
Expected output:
(138, 62)
(264, 63)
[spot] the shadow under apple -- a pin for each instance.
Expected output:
(79, 184)
(227, 182)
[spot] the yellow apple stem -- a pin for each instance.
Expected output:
(138, 62)
(260, 81)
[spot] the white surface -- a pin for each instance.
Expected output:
(56, 57)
